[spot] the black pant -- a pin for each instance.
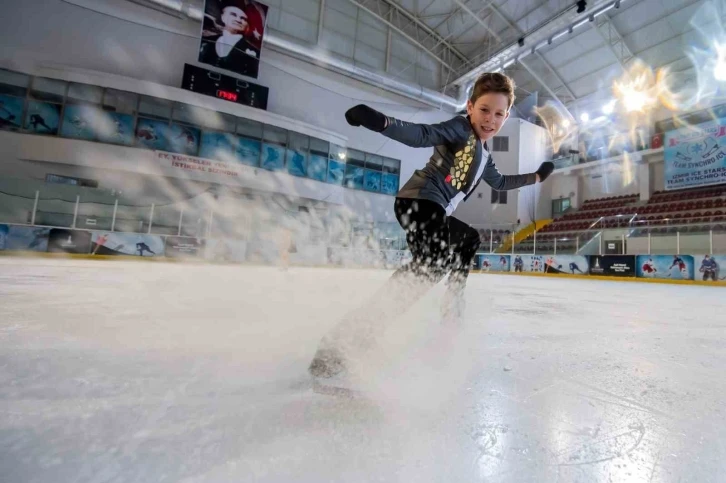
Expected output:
(438, 243)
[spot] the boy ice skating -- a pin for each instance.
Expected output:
(518, 264)
(438, 242)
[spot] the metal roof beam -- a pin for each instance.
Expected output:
(562, 91)
(414, 30)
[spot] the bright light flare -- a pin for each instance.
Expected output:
(637, 90)
(559, 123)
(719, 70)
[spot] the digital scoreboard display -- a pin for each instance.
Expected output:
(209, 83)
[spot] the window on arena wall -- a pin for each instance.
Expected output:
(391, 176)
(560, 206)
(51, 107)
(250, 141)
(297, 154)
(373, 173)
(44, 106)
(336, 164)
(152, 124)
(355, 169)
(500, 144)
(119, 114)
(318, 159)
(499, 197)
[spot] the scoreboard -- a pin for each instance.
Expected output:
(210, 83)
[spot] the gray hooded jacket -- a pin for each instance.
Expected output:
(454, 163)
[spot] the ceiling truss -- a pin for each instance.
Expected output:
(416, 31)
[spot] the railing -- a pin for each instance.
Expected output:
(204, 214)
(629, 234)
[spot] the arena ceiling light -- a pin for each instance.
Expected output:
(608, 108)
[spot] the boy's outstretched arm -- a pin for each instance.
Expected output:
(501, 182)
(455, 130)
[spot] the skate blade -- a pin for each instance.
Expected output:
(328, 389)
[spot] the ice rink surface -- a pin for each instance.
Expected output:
(156, 372)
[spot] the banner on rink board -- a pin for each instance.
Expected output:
(23, 238)
(183, 247)
(710, 267)
(492, 263)
(138, 244)
(225, 250)
(696, 155)
(353, 257)
(673, 267)
(62, 240)
(613, 265)
(572, 264)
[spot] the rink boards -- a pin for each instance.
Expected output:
(34, 239)
(710, 268)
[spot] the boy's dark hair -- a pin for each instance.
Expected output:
(493, 82)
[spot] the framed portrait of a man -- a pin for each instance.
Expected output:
(232, 35)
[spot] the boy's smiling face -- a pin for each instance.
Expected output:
(487, 114)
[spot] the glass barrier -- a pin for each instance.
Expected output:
(239, 217)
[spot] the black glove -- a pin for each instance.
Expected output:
(362, 115)
(545, 169)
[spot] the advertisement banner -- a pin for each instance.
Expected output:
(115, 128)
(317, 167)
(135, 244)
(208, 167)
(152, 134)
(221, 146)
(23, 238)
(492, 263)
(613, 265)
(11, 112)
(80, 122)
(43, 117)
(572, 264)
(355, 257)
(393, 259)
(232, 35)
(183, 247)
(710, 267)
(61, 240)
(273, 157)
(184, 139)
(224, 250)
(305, 254)
(674, 267)
(696, 155)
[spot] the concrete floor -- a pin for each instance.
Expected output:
(151, 372)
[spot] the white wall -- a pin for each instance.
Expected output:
(566, 186)
(478, 209)
(154, 47)
(527, 150)
(610, 180)
(533, 141)
(657, 170)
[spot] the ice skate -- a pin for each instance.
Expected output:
(453, 307)
(330, 374)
